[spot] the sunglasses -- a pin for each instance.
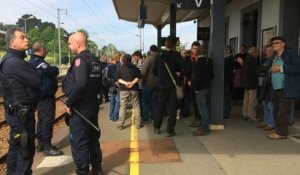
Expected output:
(279, 42)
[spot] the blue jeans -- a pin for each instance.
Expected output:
(268, 113)
(202, 96)
(149, 102)
(114, 105)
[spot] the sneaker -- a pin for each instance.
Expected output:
(171, 134)
(253, 119)
(268, 128)
(113, 121)
(120, 127)
(52, 151)
(156, 131)
(140, 126)
(200, 132)
(275, 136)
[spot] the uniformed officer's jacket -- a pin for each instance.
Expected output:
(84, 79)
(20, 82)
(48, 74)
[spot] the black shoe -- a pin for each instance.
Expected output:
(140, 126)
(96, 171)
(171, 134)
(40, 146)
(156, 131)
(52, 151)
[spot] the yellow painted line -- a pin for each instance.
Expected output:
(134, 148)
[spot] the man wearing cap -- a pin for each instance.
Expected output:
(285, 74)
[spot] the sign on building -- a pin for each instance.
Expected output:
(192, 4)
(203, 33)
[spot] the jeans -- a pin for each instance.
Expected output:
(114, 105)
(268, 113)
(202, 96)
(149, 102)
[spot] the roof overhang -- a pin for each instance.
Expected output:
(158, 12)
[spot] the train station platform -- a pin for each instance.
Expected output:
(240, 149)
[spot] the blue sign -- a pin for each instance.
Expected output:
(192, 4)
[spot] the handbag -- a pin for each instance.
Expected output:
(179, 89)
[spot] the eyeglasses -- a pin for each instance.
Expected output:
(276, 43)
(185, 53)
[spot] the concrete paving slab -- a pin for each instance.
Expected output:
(240, 149)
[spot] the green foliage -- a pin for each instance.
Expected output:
(46, 32)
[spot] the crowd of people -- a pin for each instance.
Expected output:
(150, 84)
(272, 79)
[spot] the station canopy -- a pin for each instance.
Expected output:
(158, 12)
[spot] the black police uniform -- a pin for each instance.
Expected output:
(46, 105)
(81, 85)
(20, 84)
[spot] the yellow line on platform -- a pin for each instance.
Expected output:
(134, 148)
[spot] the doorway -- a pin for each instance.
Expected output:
(251, 25)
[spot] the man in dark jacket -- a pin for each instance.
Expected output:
(46, 105)
(128, 76)
(202, 74)
(19, 87)
(167, 91)
(286, 82)
(250, 82)
(228, 79)
(81, 85)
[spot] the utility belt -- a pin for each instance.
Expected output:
(19, 109)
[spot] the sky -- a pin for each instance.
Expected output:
(98, 17)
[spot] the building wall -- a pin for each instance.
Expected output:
(270, 17)
(270, 14)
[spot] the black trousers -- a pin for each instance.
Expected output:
(46, 117)
(84, 139)
(281, 109)
(227, 100)
(167, 99)
(16, 164)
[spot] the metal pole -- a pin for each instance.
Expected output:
(140, 39)
(59, 46)
(25, 26)
(59, 49)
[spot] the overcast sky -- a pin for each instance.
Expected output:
(98, 17)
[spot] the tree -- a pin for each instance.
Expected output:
(30, 23)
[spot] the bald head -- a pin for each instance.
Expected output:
(77, 42)
(253, 51)
(38, 48)
(183, 53)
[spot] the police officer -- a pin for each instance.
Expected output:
(20, 83)
(46, 105)
(81, 86)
